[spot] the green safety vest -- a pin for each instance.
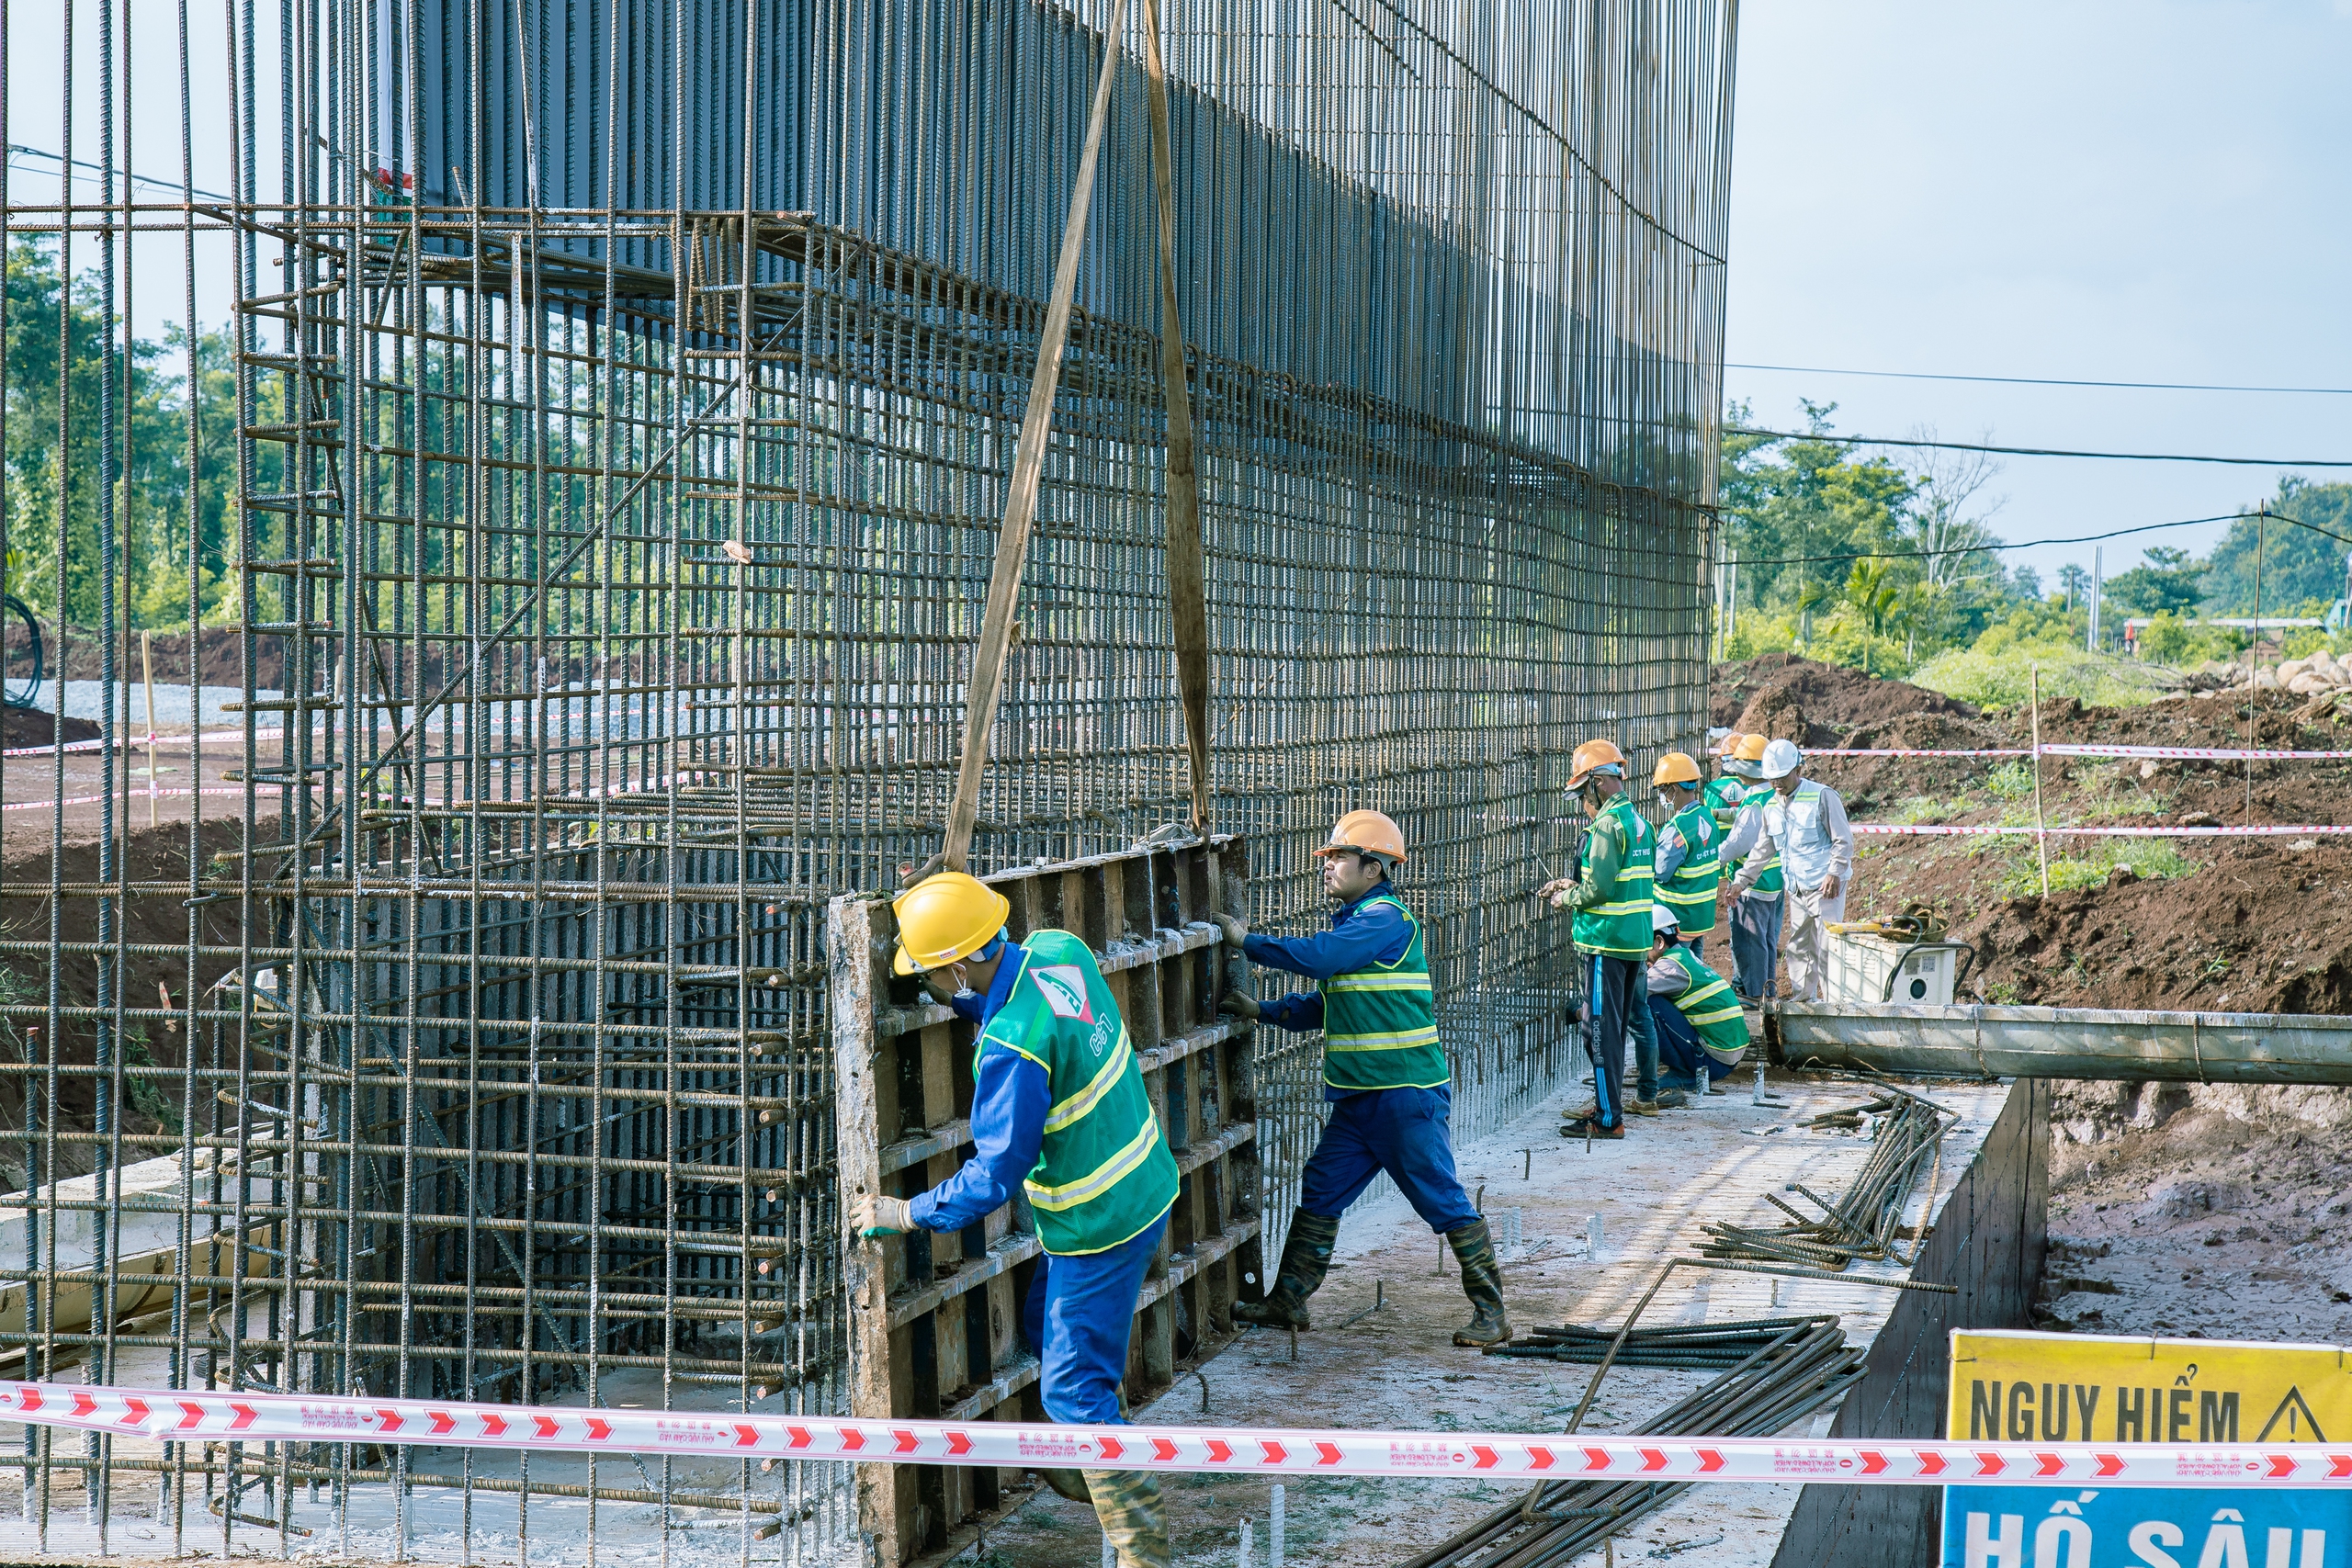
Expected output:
(1710, 1006)
(1380, 1022)
(1620, 925)
(1722, 796)
(1690, 893)
(1104, 1173)
(1768, 880)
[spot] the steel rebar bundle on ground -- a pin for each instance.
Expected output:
(570, 440)
(1866, 1221)
(1804, 1367)
(1700, 1345)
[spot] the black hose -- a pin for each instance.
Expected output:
(30, 695)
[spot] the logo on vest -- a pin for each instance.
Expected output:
(1064, 988)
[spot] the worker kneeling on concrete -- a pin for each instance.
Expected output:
(1612, 895)
(1688, 864)
(1700, 1026)
(1384, 1074)
(1805, 835)
(1059, 1108)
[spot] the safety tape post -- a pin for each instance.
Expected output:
(198, 1415)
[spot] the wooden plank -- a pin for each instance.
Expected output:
(937, 1317)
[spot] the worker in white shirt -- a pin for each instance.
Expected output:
(1804, 829)
(1756, 902)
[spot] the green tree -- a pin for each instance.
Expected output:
(1792, 500)
(2298, 562)
(2168, 582)
(54, 485)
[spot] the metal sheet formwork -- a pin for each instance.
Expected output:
(582, 475)
(936, 1319)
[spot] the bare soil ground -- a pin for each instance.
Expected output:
(2184, 1209)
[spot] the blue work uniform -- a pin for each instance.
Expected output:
(1081, 1308)
(1404, 1131)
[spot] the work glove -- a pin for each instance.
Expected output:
(1234, 1002)
(1234, 928)
(879, 1215)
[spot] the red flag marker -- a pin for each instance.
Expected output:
(747, 1437)
(1275, 1454)
(1596, 1459)
(2111, 1464)
(1991, 1464)
(2281, 1466)
(800, 1439)
(1540, 1458)
(388, 1421)
(192, 1416)
(958, 1443)
(1112, 1447)
(1930, 1463)
(1220, 1452)
(599, 1429)
(908, 1442)
(2048, 1465)
(1653, 1460)
(246, 1417)
(82, 1404)
(1327, 1453)
(2338, 1465)
(442, 1422)
(546, 1425)
(852, 1440)
(1710, 1461)
(134, 1411)
(31, 1400)
(1873, 1462)
(493, 1425)
(1162, 1449)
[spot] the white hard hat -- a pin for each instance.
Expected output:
(1663, 919)
(1781, 757)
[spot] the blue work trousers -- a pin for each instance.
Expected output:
(1616, 992)
(1405, 1132)
(1755, 945)
(1079, 1315)
(1679, 1054)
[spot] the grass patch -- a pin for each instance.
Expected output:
(2089, 866)
(2001, 680)
(2010, 781)
(1928, 809)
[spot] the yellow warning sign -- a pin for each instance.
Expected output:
(2080, 1387)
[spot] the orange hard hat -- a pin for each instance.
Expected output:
(1732, 738)
(1594, 754)
(1366, 833)
(1676, 767)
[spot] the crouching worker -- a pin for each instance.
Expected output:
(1058, 1108)
(1696, 1012)
(1384, 1075)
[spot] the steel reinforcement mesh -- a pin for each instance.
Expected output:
(585, 470)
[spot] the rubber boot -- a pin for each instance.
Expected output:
(1306, 1258)
(1482, 1282)
(1070, 1483)
(1134, 1522)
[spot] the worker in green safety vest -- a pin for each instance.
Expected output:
(1387, 1085)
(1756, 908)
(1611, 895)
(1727, 789)
(1702, 1033)
(1689, 866)
(1059, 1110)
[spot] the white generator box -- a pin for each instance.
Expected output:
(1862, 962)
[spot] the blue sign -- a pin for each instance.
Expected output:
(2126, 1527)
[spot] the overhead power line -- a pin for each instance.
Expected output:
(2030, 544)
(2046, 381)
(2040, 451)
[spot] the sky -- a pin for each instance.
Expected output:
(2147, 190)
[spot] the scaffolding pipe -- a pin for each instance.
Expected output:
(2066, 1042)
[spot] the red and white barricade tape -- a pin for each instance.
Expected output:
(204, 1417)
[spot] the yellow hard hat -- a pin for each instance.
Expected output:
(1732, 738)
(1594, 754)
(944, 918)
(1366, 832)
(1676, 767)
(1751, 748)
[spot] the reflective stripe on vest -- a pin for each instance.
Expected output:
(1690, 893)
(1620, 928)
(1380, 1022)
(1769, 879)
(1103, 1172)
(1708, 1007)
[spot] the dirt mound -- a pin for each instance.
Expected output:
(1813, 703)
(78, 653)
(30, 727)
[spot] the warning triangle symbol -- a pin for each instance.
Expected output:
(2302, 1426)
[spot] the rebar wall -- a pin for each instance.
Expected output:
(587, 460)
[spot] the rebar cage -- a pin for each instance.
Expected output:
(591, 438)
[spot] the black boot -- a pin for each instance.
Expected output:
(1306, 1258)
(1482, 1282)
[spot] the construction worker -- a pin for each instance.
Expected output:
(1727, 788)
(1384, 1076)
(1688, 866)
(1612, 895)
(1756, 904)
(1806, 831)
(1059, 1110)
(1700, 1026)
